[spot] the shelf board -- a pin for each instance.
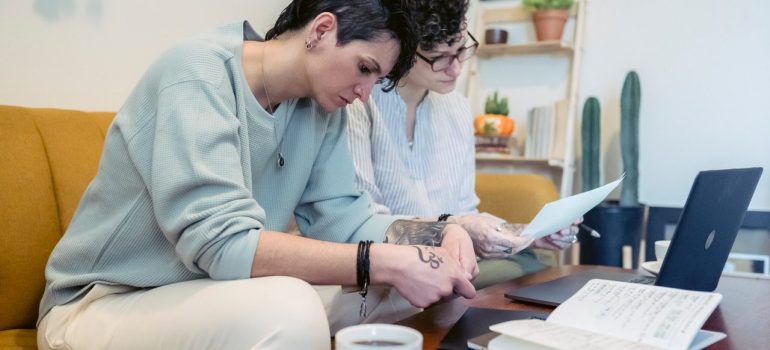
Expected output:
(506, 158)
(554, 46)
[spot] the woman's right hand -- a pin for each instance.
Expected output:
(423, 275)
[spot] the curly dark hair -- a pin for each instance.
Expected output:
(440, 21)
(359, 20)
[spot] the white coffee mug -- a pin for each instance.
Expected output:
(377, 336)
(660, 249)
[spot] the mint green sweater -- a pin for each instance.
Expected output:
(189, 177)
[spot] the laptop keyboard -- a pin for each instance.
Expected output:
(643, 280)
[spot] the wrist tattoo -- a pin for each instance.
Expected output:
(408, 232)
(429, 257)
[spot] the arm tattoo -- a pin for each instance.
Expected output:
(408, 232)
(433, 260)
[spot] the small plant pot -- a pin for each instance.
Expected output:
(549, 24)
(495, 36)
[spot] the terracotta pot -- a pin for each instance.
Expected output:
(495, 36)
(549, 24)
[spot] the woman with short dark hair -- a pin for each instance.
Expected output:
(178, 241)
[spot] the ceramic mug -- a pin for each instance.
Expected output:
(377, 336)
(660, 249)
(495, 36)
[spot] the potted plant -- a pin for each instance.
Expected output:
(493, 129)
(619, 222)
(549, 17)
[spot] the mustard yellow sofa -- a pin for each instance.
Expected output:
(48, 157)
(515, 198)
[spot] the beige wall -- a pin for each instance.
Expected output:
(88, 54)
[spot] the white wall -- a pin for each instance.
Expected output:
(704, 68)
(88, 54)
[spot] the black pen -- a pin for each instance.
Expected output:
(593, 232)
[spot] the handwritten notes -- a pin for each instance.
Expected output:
(617, 315)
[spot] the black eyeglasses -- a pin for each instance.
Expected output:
(443, 62)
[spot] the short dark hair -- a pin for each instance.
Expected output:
(359, 20)
(439, 21)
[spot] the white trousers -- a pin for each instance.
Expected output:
(258, 313)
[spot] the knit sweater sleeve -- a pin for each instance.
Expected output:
(332, 208)
(196, 181)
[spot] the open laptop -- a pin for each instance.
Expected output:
(702, 240)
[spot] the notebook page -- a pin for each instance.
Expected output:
(652, 315)
(541, 335)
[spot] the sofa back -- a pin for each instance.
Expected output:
(514, 197)
(47, 158)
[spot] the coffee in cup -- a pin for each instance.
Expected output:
(378, 336)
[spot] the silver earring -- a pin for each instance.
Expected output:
(308, 44)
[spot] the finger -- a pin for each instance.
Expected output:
(465, 288)
(496, 255)
(552, 245)
(471, 265)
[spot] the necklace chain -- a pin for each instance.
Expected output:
(264, 78)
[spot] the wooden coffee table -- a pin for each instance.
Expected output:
(743, 314)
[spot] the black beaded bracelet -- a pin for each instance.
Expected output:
(443, 217)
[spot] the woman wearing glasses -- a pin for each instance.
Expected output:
(413, 147)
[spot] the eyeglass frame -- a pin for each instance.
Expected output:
(475, 46)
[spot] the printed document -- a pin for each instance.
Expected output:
(618, 315)
(562, 213)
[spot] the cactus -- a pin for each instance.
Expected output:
(495, 105)
(591, 139)
(629, 139)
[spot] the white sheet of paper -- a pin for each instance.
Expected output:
(562, 213)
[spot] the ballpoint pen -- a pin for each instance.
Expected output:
(593, 232)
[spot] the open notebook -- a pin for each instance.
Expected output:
(617, 315)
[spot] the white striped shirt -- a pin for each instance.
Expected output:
(434, 176)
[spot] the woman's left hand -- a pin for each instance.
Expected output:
(492, 237)
(560, 240)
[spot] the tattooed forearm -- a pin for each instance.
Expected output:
(427, 256)
(408, 232)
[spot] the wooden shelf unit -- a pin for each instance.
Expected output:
(493, 50)
(489, 14)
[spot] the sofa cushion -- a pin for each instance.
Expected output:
(73, 141)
